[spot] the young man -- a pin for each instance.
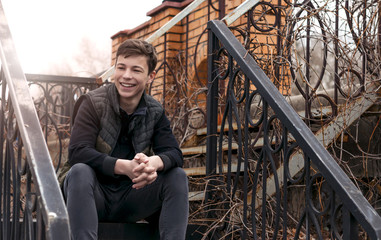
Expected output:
(125, 162)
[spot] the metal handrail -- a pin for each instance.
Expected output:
(352, 198)
(50, 197)
(180, 16)
(239, 11)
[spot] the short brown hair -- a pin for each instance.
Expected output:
(137, 47)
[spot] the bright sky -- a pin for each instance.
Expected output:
(50, 30)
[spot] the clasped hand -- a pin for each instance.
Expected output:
(142, 170)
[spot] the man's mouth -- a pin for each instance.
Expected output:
(127, 85)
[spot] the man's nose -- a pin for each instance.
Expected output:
(127, 73)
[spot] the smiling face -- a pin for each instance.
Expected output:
(131, 77)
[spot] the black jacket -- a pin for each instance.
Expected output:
(100, 128)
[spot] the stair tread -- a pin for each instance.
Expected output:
(199, 171)
(203, 131)
(129, 231)
(201, 149)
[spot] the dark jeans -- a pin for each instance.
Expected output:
(89, 202)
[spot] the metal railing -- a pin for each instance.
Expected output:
(32, 206)
(320, 202)
(54, 98)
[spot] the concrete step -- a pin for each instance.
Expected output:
(140, 231)
(127, 231)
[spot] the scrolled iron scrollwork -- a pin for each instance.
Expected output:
(264, 16)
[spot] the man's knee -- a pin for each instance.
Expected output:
(177, 177)
(177, 174)
(80, 175)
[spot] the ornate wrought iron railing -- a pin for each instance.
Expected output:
(182, 88)
(54, 98)
(320, 201)
(32, 206)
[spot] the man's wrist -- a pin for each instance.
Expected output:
(158, 163)
(121, 166)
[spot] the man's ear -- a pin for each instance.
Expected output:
(151, 77)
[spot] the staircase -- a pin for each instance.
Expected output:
(243, 175)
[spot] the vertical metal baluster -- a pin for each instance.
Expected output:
(2, 126)
(264, 170)
(165, 69)
(350, 226)
(212, 111)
